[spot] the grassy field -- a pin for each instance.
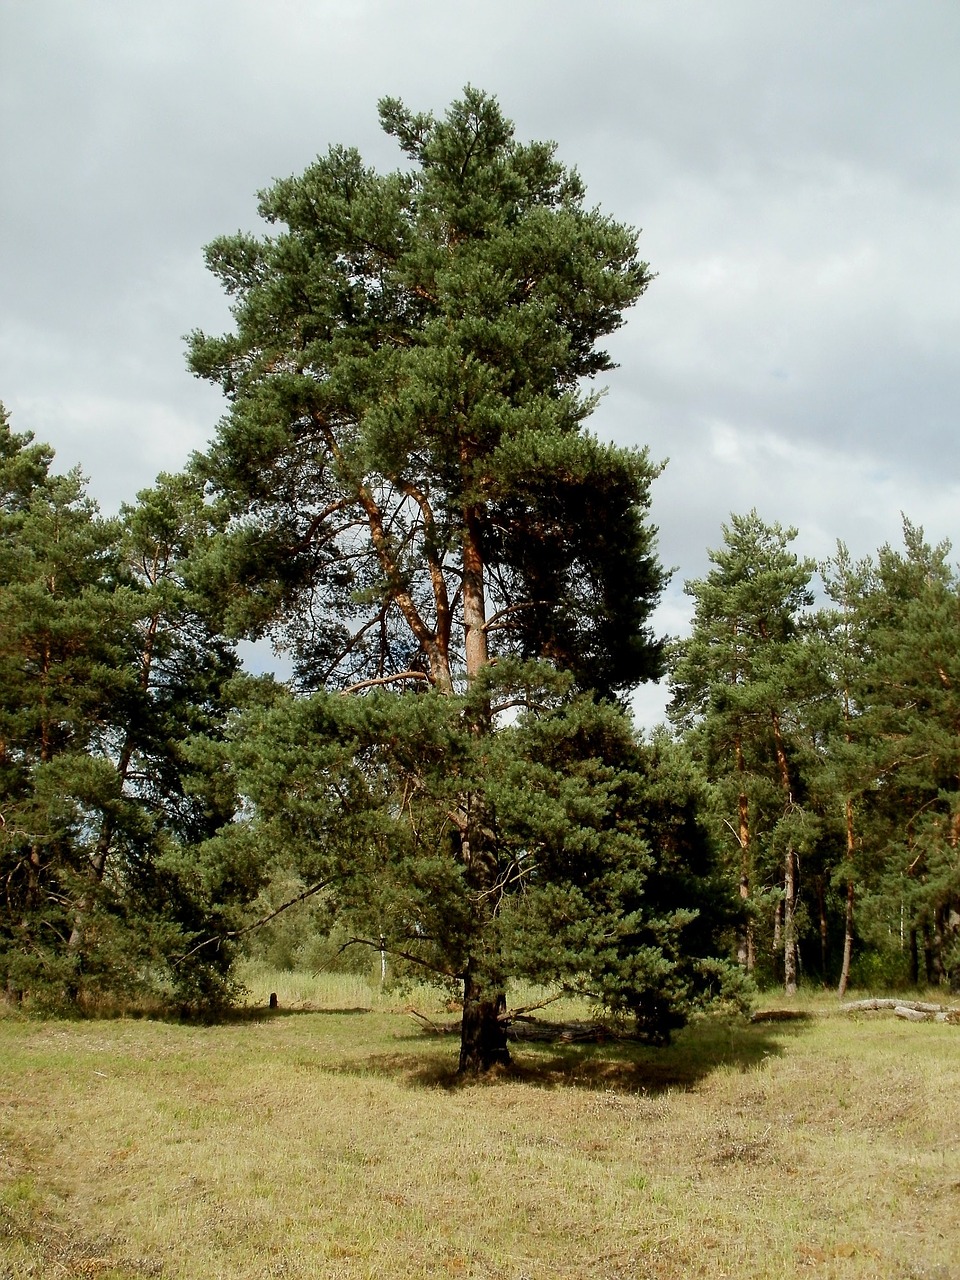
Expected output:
(334, 1142)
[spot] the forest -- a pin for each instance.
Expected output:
(404, 497)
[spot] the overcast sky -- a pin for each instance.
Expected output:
(795, 169)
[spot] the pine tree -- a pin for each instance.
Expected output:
(113, 688)
(738, 683)
(61, 646)
(414, 497)
(605, 882)
(849, 763)
(912, 713)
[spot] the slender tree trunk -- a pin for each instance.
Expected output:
(914, 958)
(789, 871)
(851, 850)
(778, 928)
(937, 967)
(745, 945)
(34, 875)
(847, 941)
(927, 953)
(848, 913)
(822, 914)
(789, 930)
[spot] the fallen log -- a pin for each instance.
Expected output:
(919, 1015)
(562, 1032)
(921, 1006)
(908, 1010)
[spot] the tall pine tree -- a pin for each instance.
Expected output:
(738, 684)
(414, 496)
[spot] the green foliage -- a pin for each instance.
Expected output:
(830, 743)
(603, 877)
(911, 712)
(112, 680)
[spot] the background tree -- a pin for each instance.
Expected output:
(61, 641)
(413, 495)
(112, 686)
(912, 715)
(848, 766)
(738, 683)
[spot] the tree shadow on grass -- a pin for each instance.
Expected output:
(262, 1013)
(626, 1067)
(617, 1065)
(218, 1017)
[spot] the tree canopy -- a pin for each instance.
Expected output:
(405, 457)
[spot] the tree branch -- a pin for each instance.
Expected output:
(257, 924)
(390, 951)
(401, 675)
(522, 604)
(437, 580)
(321, 516)
(301, 897)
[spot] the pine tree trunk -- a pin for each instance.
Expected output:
(847, 942)
(483, 1037)
(822, 913)
(474, 597)
(777, 936)
(789, 870)
(848, 913)
(483, 1033)
(745, 944)
(937, 966)
(927, 953)
(789, 931)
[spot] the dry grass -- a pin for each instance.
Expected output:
(335, 1144)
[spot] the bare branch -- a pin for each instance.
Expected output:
(319, 519)
(522, 604)
(541, 1004)
(390, 951)
(257, 924)
(301, 897)
(401, 675)
(438, 581)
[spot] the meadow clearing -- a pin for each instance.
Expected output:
(330, 1139)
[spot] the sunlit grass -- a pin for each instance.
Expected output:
(331, 1143)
